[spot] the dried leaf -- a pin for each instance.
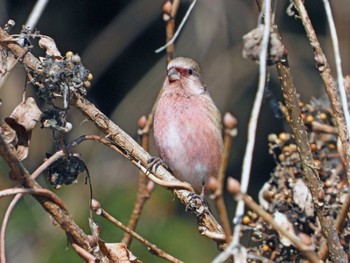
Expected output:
(119, 253)
(252, 46)
(22, 120)
(302, 197)
(8, 134)
(110, 252)
(7, 62)
(262, 200)
(94, 228)
(26, 114)
(49, 45)
(283, 221)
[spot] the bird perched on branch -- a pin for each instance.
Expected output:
(187, 125)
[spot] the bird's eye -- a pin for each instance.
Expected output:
(190, 71)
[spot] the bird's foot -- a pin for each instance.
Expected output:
(197, 204)
(154, 163)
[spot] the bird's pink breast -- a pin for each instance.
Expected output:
(187, 138)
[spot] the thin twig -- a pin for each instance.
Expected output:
(34, 191)
(4, 225)
(170, 27)
(340, 76)
(179, 28)
(248, 157)
(85, 255)
(53, 158)
(321, 127)
(154, 249)
(230, 130)
(329, 83)
(145, 186)
(36, 13)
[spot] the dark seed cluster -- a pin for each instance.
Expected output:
(62, 76)
(65, 170)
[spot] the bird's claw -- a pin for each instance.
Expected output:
(197, 204)
(155, 162)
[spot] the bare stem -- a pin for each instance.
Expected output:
(36, 13)
(170, 29)
(153, 248)
(329, 83)
(4, 225)
(35, 191)
(83, 253)
(144, 188)
(340, 76)
(230, 130)
(172, 40)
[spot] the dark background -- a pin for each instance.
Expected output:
(116, 40)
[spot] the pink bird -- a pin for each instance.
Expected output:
(187, 125)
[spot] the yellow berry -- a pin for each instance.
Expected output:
(87, 84)
(293, 147)
(69, 54)
(317, 163)
(90, 77)
(286, 150)
(265, 248)
(246, 220)
(332, 146)
(283, 136)
(281, 157)
(328, 183)
(272, 137)
(309, 119)
(323, 116)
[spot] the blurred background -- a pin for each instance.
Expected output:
(116, 40)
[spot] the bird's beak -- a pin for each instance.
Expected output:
(173, 74)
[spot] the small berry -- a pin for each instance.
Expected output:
(69, 54)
